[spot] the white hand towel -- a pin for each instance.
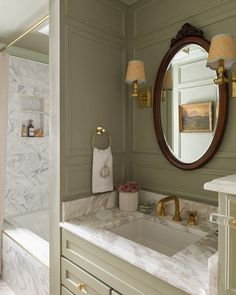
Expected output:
(102, 179)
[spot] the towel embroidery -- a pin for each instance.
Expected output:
(105, 171)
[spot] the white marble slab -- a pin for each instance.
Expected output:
(22, 272)
(89, 205)
(187, 270)
(4, 289)
(27, 183)
(223, 185)
(30, 242)
(203, 210)
(213, 274)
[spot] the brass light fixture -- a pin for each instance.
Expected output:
(221, 57)
(136, 76)
(167, 85)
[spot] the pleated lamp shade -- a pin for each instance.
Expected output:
(168, 81)
(222, 48)
(135, 72)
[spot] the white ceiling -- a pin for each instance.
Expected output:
(16, 16)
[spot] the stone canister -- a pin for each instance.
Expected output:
(128, 201)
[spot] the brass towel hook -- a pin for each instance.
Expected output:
(100, 131)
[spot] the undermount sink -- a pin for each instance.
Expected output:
(156, 236)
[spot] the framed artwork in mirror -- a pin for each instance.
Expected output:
(195, 117)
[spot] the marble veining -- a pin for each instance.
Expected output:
(22, 272)
(213, 274)
(187, 270)
(27, 158)
(85, 206)
(4, 289)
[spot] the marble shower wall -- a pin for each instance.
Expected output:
(27, 183)
(23, 273)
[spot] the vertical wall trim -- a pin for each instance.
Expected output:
(4, 79)
(54, 146)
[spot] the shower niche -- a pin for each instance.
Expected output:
(32, 109)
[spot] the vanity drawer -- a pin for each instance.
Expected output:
(64, 291)
(74, 278)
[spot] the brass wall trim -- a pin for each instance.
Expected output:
(38, 23)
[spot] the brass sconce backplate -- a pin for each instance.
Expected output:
(145, 100)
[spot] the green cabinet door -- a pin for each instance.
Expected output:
(226, 219)
(227, 245)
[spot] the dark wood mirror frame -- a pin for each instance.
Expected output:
(187, 35)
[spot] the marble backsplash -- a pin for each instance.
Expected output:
(86, 206)
(90, 205)
(27, 184)
(203, 210)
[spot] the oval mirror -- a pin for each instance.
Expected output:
(190, 111)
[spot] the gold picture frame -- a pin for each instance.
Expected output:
(195, 117)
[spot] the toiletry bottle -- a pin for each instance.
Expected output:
(24, 132)
(31, 129)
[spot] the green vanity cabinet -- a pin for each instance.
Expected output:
(227, 246)
(226, 219)
(103, 273)
(64, 291)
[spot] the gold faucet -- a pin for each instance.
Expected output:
(161, 207)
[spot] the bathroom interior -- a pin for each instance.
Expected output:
(118, 157)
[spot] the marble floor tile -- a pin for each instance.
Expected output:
(4, 289)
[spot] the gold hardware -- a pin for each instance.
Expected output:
(144, 95)
(145, 98)
(82, 287)
(234, 222)
(162, 202)
(161, 210)
(99, 131)
(192, 218)
(221, 79)
(34, 26)
(233, 84)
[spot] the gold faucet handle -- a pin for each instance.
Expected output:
(192, 218)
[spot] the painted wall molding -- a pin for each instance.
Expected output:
(168, 167)
(102, 26)
(70, 33)
(78, 188)
(179, 18)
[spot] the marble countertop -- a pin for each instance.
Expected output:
(186, 270)
(225, 184)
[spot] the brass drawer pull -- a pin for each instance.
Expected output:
(82, 288)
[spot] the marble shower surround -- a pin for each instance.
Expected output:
(22, 272)
(27, 158)
(4, 289)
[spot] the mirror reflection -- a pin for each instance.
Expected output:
(189, 104)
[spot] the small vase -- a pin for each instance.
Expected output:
(128, 201)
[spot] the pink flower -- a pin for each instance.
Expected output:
(128, 186)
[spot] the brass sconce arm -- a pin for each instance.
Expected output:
(221, 79)
(144, 95)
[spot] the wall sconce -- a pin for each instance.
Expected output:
(221, 57)
(136, 76)
(167, 85)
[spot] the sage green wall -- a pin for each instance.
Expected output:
(93, 64)
(155, 22)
